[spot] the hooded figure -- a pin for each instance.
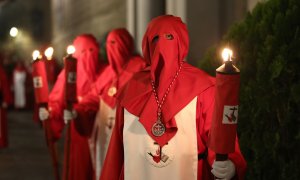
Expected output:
(19, 79)
(96, 111)
(88, 67)
(165, 112)
(5, 100)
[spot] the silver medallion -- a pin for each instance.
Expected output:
(158, 129)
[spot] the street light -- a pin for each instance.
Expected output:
(13, 32)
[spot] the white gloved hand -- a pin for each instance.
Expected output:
(43, 113)
(223, 169)
(69, 115)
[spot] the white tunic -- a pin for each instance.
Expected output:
(102, 130)
(179, 158)
(19, 89)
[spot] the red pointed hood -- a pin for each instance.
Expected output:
(87, 51)
(120, 47)
(165, 45)
(123, 63)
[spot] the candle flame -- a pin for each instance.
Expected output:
(35, 54)
(226, 54)
(49, 52)
(70, 49)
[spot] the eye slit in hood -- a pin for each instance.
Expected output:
(169, 36)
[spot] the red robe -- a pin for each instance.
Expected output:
(165, 45)
(114, 162)
(123, 64)
(5, 97)
(79, 161)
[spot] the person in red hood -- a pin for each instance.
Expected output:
(5, 100)
(88, 68)
(96, 111)
(164, 117)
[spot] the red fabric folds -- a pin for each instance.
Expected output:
(5, 97)
(88, 68)
(122, 65)
(165, 46)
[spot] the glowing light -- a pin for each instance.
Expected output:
(13, 32)
(226, 54)
(49, 53)
(70, 49)
(35, 54)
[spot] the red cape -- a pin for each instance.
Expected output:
(122, 65)
(165, 46)
(80, 166)
(5, 96)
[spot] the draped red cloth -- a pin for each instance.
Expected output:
(88, 67)
(122, 65)
(165, 45)
(5, 97)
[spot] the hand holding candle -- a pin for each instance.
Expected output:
(41, 92)
(224, 123)
(70, 98)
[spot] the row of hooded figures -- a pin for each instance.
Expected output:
(139, 117)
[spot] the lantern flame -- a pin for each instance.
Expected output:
(70, 49)
(227, 54)
(49, 53)
(35, 54)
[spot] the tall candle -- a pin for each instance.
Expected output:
(70, 75)
(39, 76)
(224, 123)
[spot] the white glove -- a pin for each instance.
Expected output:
(69, 115)
(43, 113)
(223, 169)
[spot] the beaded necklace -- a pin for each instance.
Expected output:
(158, 128)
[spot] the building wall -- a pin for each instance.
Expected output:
(73, 17)
(32, 18)
(208, 21)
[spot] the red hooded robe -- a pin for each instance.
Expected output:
(88, 67)
(5, 97)
(122, 65)
(190, 94)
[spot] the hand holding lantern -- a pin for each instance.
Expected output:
(222, 135)
(70, 97)
(70, 75)
(41, 92)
